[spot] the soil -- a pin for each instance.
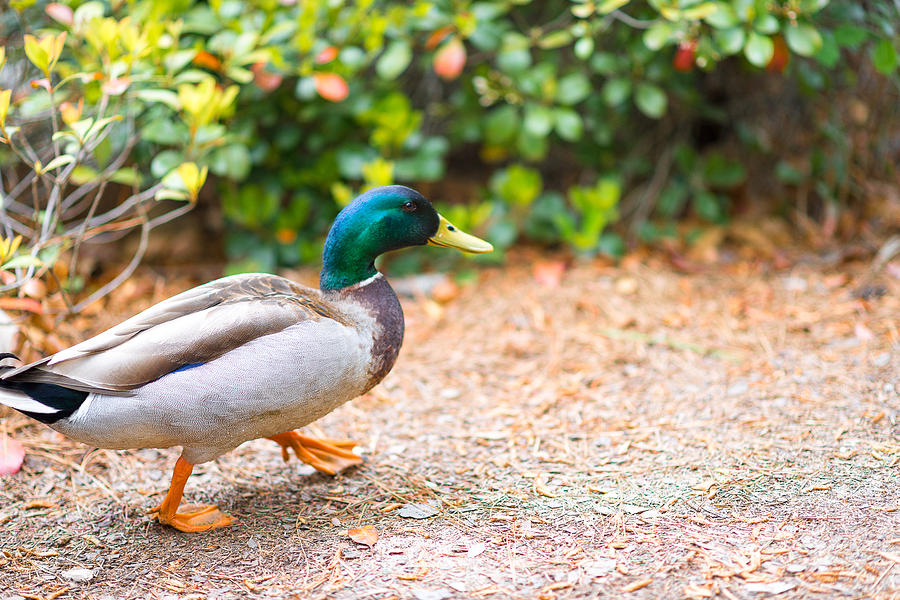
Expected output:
(552, 430)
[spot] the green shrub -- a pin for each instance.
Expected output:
(76, 104)
(568, 114)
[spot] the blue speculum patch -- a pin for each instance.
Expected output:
(186, 367)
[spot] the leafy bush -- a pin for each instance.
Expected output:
(76, 104)
(569, 114)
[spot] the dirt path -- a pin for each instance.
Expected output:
(631, 432)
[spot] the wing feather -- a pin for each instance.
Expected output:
(195, 326)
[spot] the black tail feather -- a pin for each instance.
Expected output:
(63, 400)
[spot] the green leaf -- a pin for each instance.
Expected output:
(36, 53)
(538, 119)
(232, 161)
(604, 63)
(651, 100)
(851, 36)
(803, 39)
(700, 11)
(721, 172)
(884, 57)
(829, 54)
(63, 159)
(584, 48)
(658, 35)
(723, 17)
(82, 174)
(616, 91)
(573, 88)
(168, 194)
(167, 97)
(501, 125)
(568, 124)
(759, 49)
(164, 162)
(514, 61)
(555, 39)
(22, 261)
(517, 185)
(239, 74)
(730, 41)
(165, 131)
(126, 176)
(607, 6)
(394, 60)
(766, 23)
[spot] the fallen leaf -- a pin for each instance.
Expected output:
(445, 291)
(367, 535)
(863, 333)
(626, 286)
(476, 549)
(77, 574)
(26, 304)
(776, 587)
(418, 510)
(637, 585)
(549, 273)
(12, 453)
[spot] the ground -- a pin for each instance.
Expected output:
(551, 430)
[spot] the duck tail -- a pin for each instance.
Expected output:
(45, 402)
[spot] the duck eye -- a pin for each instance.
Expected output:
(409, 206)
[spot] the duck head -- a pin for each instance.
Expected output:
(378, 221)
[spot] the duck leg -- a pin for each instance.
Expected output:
(327, 456)
(193, 517)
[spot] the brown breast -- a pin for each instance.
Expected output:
(379, 299)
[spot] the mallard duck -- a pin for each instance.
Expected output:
(243, 357)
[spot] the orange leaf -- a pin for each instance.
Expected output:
(71, 112)
(205, 59)
(549, 273)
(60, 12)
(27, 304)
(438, 36)
(12, 453)
(263, 79)
(450, 60)
(327, 55)
(331, 86)
(781, 56)
(367, 535)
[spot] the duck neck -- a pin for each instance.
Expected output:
(346, 260)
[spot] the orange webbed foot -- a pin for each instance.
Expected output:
(193, 518)
(327, 456)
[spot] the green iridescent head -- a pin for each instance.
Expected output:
(378, 221)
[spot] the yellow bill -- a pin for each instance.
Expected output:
(448, 236)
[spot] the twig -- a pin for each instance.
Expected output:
(126, 272)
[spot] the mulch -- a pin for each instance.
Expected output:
(557, 428)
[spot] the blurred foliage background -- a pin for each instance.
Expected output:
(581, 124)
